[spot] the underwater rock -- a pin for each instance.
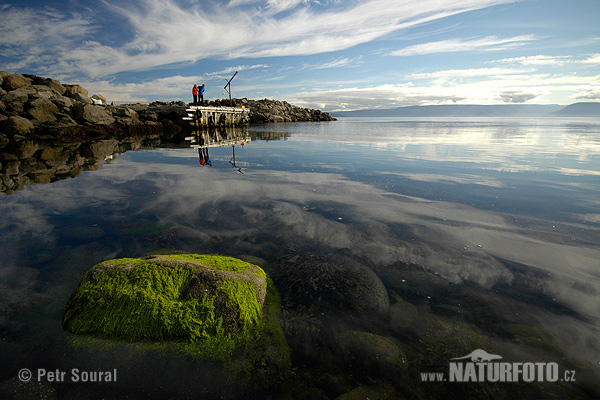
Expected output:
(372, 354)
(168, 297)
(326, 283)
(413, 284)
(212, 308)
(379, 391)
(402, 316)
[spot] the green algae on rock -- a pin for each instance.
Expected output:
(215, 300)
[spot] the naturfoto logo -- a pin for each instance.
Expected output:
(481, 366)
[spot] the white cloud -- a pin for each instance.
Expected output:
(538, 60)
(337, 63)
(488, 43)
(587, 93)
(168, 31)
(467, 73)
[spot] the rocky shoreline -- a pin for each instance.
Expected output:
(37, 107)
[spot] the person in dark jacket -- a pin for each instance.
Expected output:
(201, 94)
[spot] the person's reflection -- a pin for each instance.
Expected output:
(203, 156)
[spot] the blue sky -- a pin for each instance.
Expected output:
(327, 54)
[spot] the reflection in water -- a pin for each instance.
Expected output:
(219, 137)
(471, 252)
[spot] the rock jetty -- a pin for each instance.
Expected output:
(33, 106)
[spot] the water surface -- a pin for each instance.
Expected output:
(506, 212)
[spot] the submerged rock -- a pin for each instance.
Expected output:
(213, 308)
(402, 316)
(371, 353)
(177, 297)
(326, 283)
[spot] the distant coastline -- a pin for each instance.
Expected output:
(584, 109)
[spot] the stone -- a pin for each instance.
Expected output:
(54, 156)
(101, 149)
(125, 112)
(81, 98)
(219, 310)
(168, 297)
(371, 353)
(17, 125)
(98, 99)
(325, 282)
(91, 114)
(73, 89)
(14, 81)
(43, 110)
(413, 284)
(402, 315)
(26, 149)
(49, 82)
(379, 391)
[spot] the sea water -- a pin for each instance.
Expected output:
(505, 212)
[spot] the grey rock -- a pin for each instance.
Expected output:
(81, 98)
(42, 110)
(91, 114)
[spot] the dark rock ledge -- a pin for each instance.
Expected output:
(43, 108)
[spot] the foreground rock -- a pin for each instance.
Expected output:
(212, 307)
(184, 297)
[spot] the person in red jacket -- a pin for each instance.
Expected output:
(195, 94)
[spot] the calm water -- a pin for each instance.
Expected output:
(503, 213)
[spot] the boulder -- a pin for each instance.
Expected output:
(14, 81)
(413, 284)
(214, 308)
(125, 112)
(169, 297)
(379, 391)
(98, 99)
(49, 82)
(81, 98)
(371, 353)
(402, 315)
(91, 114)
(99, 150)
(42, 110)
(17, 125)
(73, 89)
(325, 282)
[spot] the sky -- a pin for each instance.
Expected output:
(332, 55)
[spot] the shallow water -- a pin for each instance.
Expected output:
(505, 213)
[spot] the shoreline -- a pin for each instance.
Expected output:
(35, 107)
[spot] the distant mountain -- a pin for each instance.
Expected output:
(459, 110)
(588, 109)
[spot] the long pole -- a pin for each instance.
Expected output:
(229, 89)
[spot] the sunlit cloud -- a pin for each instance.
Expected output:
(342, 62)
(488, 43)
(167, 31)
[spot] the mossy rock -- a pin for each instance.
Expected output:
(186, 297)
